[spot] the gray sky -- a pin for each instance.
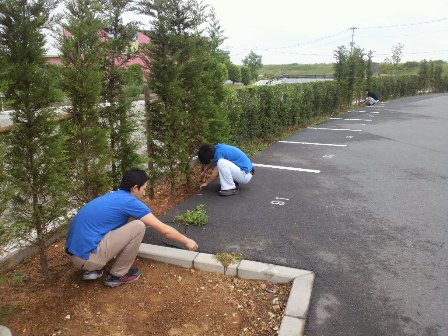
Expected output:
(294, 31)
(307, 32)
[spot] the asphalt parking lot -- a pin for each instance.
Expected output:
(360, 201)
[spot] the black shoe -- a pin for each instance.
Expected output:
(229, 192)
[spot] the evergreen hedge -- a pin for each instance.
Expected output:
(261, 113)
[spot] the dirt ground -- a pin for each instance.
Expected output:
(166, 300)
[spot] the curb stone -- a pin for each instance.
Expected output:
(293, 322)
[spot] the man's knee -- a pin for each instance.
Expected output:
(138, 226)
(221, 163)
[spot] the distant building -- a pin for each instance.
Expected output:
(139, 39)
(375, 69)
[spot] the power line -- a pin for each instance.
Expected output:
(405, 24)
(322, 38)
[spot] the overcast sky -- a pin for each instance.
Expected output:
(306, 32)
(294, 31)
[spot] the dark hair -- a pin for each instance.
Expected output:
(133, 177)
(206, 153)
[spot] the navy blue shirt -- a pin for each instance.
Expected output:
(99, 216)
(233, 154)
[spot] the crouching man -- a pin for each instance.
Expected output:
(101, 230)
(229, 163)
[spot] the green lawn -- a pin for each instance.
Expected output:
(275, 70)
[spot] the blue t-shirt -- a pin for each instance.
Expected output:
(233, 154)
(99, 216)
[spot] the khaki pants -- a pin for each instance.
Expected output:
(122, 243)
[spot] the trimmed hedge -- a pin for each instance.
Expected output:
(262, 113)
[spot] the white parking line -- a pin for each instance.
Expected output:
(287, 168)
(312, 143)
(374, 112)
(335, 129)
(351, 119)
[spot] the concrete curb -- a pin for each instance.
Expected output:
(293, 323)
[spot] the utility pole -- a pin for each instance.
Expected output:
(353, 34)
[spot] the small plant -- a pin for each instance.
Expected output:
(227, 259)
(6, 311)
(19, 279)
(198, 216)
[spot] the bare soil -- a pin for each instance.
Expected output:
(166, 300)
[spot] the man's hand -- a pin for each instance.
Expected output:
(191, 245)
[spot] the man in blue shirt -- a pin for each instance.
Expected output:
(233, 167)
(371, 98)
(101, 230)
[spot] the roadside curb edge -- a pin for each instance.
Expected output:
(293, 322)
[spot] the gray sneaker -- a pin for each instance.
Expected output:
(92, 275)
(229, 192)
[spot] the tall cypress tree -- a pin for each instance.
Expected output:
(82, 53)
(166, 117)
(187, 77)
(35, 161)
(117, 114)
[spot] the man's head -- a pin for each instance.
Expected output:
(134, 181)
(206, 153)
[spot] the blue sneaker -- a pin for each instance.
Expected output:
(113, 281)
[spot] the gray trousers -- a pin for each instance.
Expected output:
(122, 243)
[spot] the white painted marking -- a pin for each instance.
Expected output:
(351, 119)
(282, 198)
(312, 143)
(375, 112)
(349, 136)
(335, 129)
(287, 168)
(328, 156)
(361, 111)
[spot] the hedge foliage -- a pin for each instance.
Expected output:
(261, 113)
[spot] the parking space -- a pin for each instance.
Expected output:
(363, 209)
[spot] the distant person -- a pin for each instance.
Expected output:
(101, 230)
(230, 163)
(371, 98)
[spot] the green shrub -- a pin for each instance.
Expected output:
(197, 217)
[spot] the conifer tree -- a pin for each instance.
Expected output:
(216, 37)
(186, 79)
(82, 53)
(35, 162)
(424, 75)
(166, 117)
(117, 114)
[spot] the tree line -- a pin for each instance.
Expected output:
(50, 167)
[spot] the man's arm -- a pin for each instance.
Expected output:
(169, 232)
(213, 176)
(206, 169)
